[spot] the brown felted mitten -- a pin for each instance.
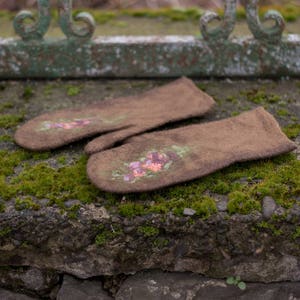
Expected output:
(164, 158)
(123, 117)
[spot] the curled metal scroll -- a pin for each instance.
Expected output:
(223, 31)
(37, 29)
(67, 25)
(259, 31)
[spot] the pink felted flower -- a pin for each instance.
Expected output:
(153, 167)
(139, 173)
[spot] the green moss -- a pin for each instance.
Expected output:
(290, 12)
(241, 203)
(9, 160)
(62, 159)
(27, 203)
(6, 105)
(160, 242)
(148, 231)
(42, 181)
(6, 138)
(106, 235)
(282, 112)
(202, 86)
(235, 113)
(220, 187)
(283, 186)
(171, 14)
(205, 207)
(261, 97)
(100, 16)
(27, 92)
(73, 211)
(131, 209)
(292, 130)
(10, 120)
(270, 227)
(277, 177)
(5, 232)
(7, 191)
(73, 90)
(296, 234)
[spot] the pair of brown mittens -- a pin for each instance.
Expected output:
(158, 159)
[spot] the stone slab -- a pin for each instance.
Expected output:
(74, 289)
(149, 56)
(156, 285)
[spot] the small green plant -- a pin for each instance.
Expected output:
(73, 90)
(237, 282)
(282, 112)
(106, 235)
(131, 209)
(28, 92)
(296, 234)
(6, 105)
(5, 232)
(148, 231)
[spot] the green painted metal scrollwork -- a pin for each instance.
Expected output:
(259, 31)
(38, 28)
(69, 28)
(223, 31)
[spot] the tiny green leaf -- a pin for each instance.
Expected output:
(242, 285)
(230, 280)
(238, 278)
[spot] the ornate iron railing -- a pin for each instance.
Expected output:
(268, 53)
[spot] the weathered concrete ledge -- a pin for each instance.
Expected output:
(154, 56)
(98, 243)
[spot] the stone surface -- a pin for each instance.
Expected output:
(269, 207)
(156, 285)
(8, 295)
(74, 289)
(29, 279)
(21, 59)
(68, 245)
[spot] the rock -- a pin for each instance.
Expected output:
(221, 203)
(153, 285)
(27, 279)
(189, 212)
(93, 244)
(268, 207)
(284, 268)
(8, 295)
(75, 289)
(72, 202)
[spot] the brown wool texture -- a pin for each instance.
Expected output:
(159, 159)
(116, 119)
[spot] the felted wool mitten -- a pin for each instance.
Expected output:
(122, 117)
(164, 158)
